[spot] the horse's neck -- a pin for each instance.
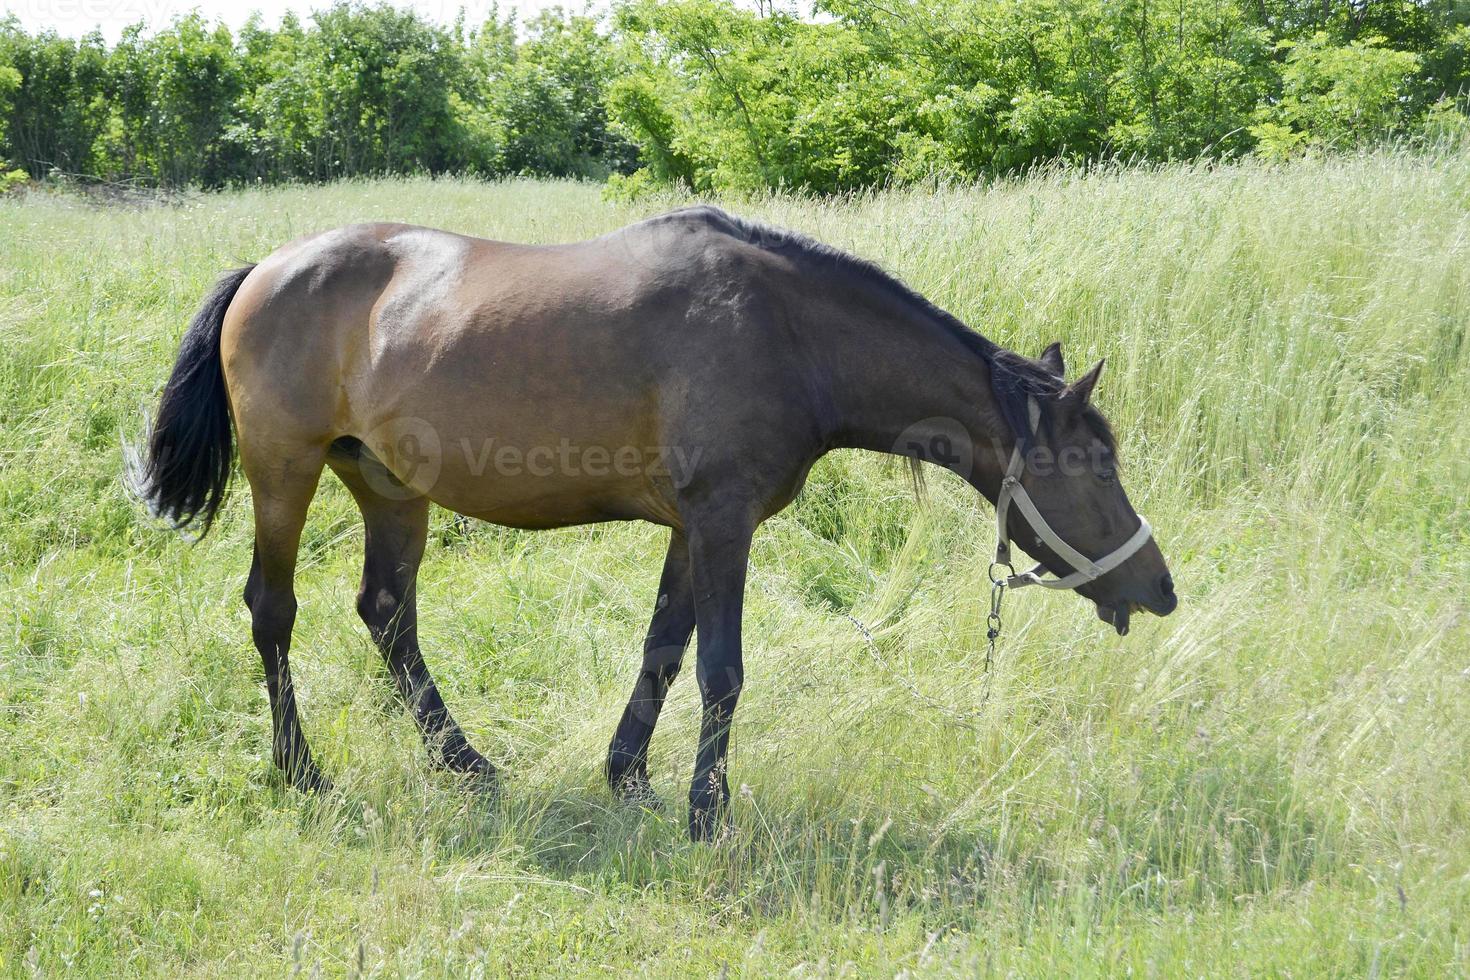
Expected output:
(906, 385)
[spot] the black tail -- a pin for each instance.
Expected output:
(189, 447)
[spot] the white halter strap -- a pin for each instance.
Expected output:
(1084, 569)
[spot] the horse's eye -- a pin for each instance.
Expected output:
(1108, 475)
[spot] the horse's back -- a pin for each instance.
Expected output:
(651, 288)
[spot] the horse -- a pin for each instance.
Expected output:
(687, 370)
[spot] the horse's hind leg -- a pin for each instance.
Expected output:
(281, 491)
(396, 523)
(663, 652)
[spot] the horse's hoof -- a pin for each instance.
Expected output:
(310, 780)
(637, 794)
(471, 765)
(707, 824)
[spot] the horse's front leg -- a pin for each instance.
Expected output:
(719, 549)
(663, 652)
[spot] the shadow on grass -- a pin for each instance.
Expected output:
(1194, 827)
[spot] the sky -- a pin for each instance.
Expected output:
(73, 18)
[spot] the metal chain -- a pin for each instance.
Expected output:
(998, 585)
(992, 622)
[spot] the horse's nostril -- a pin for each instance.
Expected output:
(1166, 586)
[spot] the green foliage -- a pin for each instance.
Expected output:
(1186, 77)
(713, 95)
(1344, 95)
(171, 96)
(55, 113)
(723, 97)
(382, 78)
(1276, 142)
(10, 80)
(1445, 121)
(358, 90)
(538, 106)
(732, 99)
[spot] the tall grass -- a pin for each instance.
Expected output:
(1273, 780)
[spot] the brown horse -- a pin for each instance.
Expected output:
(687, 370)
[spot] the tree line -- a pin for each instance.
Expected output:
(715, 96)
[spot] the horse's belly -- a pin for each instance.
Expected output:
(538, 502)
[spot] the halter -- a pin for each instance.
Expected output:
(1084, 569)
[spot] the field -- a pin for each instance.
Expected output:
(1273, 780)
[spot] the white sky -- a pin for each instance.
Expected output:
(73, 18)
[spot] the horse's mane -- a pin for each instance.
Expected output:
(1014, 377)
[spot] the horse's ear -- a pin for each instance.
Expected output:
(1051, 359)
(1079, 392)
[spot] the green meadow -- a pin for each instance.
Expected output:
(1275, 780)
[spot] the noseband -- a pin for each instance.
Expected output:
(1084, 569)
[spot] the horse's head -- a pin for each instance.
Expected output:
(1066, 504)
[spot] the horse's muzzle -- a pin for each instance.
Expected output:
(1161, 603)
(1166, 601)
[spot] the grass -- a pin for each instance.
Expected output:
(1271, 781)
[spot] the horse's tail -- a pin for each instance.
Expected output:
(187, 452)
